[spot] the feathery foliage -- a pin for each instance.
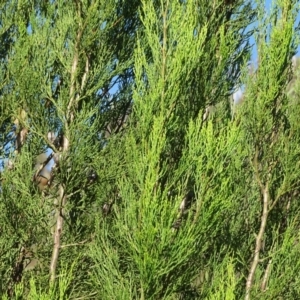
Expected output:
(118, 179)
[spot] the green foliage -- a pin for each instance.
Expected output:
(148, 196)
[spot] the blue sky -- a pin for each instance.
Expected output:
(237, 96)
(268, 5)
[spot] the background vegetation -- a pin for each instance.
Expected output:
(128, 172)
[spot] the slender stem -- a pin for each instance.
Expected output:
(259, 240)
(266, 276)
(164, 50)
(57, 234)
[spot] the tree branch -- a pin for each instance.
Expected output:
(70, 115)
(259, 239)
(86, 71)
(266, 276)
(57, 233)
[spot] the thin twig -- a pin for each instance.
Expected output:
(86, 297)
(74, 244)
(266, 276)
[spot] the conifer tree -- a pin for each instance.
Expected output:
(127, 171)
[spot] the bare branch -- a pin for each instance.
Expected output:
(266, 276)
(70, 115)
(259, 239)
(86, 71)
(57, 233)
